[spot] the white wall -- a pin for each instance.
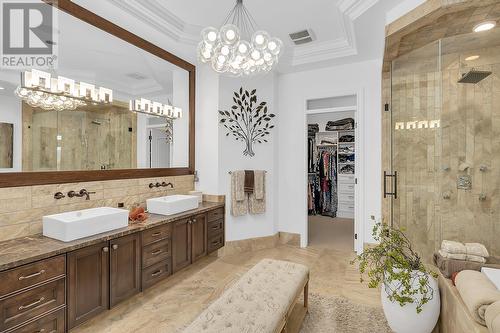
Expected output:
(231, 158)
(294, 90)
(10, 112)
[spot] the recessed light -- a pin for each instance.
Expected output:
(485, 26)
(2, 88)
(472, 58)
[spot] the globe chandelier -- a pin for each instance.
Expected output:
(239, 48)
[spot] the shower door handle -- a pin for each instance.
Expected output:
(395, 191)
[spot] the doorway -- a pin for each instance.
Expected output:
(331, 173)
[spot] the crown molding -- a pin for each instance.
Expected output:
(355, 8)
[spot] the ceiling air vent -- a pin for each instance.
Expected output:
(136, 76)
(302, 37)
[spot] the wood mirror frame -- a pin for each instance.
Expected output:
(55, 177)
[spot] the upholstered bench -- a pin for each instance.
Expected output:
(263, 300)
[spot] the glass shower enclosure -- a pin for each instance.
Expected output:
(445, 142)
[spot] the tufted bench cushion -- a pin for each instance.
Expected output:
(259, 302)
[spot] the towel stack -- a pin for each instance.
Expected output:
(475, 252)
(248, 192)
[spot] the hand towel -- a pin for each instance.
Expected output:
(477, 292)
(257, 200)
(492, 317)
(239, 199)
(249, 181)
(462, 256)
(453, 247)
(476, 249)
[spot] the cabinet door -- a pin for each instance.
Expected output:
(181, 244)
(125, 268)
(199, 236)
(88, 273)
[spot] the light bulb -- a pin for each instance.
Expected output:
(212, 36)
(229, 34)
(259, 39)
(209, 35)
(225, 50)
(274, 46)
(256, 55)
(221, 59)
(485, 26)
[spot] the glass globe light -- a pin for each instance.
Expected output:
(259, 39)
(205, 53)
(229, 34)
(274, 46)
(243, 48)
(210, 35)
(255, 54)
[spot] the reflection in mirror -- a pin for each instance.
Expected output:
(6, 145)
(107, 104)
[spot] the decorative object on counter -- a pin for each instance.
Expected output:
(477, 292)
(138, 214)
(40, 89)
(247, 121)
(252, 200)
(410, 294)
(228, 52)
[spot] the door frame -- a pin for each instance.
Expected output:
(360, 167)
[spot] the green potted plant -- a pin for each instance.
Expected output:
(409, 291)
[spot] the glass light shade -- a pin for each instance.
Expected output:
(274, 46)
(256, 54)
(243, 48)
(260, 39)
(229, 34)
(205, 53)
(219, 67)
(210, 35)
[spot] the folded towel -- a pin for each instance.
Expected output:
(462, 256)
(453, 247)
(476, 249)
(249, 181)
(239, 199)
(477, 292)
(492, 317)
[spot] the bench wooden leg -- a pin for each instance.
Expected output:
(306, 295)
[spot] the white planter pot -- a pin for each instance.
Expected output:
(405, 319)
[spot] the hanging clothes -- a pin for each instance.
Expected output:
(323, 184)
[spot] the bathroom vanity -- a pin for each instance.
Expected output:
(53, 286)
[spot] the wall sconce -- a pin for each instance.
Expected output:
(152, 108)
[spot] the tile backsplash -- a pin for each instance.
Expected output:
(22, 208)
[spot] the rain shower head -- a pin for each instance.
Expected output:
(474, 76)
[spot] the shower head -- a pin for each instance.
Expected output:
(474, 76)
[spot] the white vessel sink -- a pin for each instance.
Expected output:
(84, 223)
(172, 204)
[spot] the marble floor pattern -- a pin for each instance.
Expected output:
(175, 302)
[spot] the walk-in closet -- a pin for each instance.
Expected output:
(331, 173)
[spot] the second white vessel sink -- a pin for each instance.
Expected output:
(172, 204)
(84, 223)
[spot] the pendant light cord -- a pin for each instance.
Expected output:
(241, 17)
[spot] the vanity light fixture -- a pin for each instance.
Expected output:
(484, 26)
(472, 58)
(40, 89)
(228, 52)
(157, 109)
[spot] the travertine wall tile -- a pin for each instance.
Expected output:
(22, 208)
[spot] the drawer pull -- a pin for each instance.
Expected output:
(215, 227)
(215, 242)
(115, 246)
(105, 249)
(157, 252)
(22, 277)
(156, 234)
(24, 307)
(156, 273)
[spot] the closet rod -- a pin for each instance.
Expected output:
(230, 172)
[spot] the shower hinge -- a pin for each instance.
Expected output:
(356, 181)
(386, 107)
(355, 236)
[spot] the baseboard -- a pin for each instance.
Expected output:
(259, 243)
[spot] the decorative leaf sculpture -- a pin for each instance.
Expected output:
(247, 121)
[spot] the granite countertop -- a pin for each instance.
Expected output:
(25, 250)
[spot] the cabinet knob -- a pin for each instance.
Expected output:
(115, 246)
(194, 220)
(105, 249)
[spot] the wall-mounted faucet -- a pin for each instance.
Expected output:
(83, 193)
(163, 184)
(59, 195)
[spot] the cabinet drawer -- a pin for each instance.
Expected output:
(155, 252)
(17, 309)
(155, 234)
(346, 206)
(155, 273)
(346, 179)
(215, 227)
(215, 243)
(31, 274)
(216, 214)
(346, 188)
(51, 323)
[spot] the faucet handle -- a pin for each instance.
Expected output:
(59, 195)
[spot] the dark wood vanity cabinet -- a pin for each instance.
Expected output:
(181, 245)
(88, 283)
(198, 236)
(125, 268)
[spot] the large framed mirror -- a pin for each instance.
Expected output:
(111, 106)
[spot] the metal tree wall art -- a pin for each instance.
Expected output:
(247, 121)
